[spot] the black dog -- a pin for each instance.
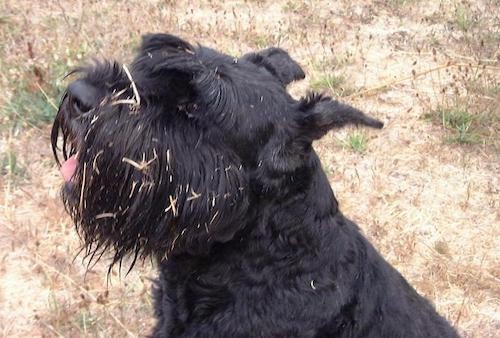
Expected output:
(204, 162)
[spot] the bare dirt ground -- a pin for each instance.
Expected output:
(425, 189)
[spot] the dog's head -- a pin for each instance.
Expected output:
(167, 155)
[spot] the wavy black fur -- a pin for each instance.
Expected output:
(204, 162)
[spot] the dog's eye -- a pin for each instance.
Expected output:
(79, 106)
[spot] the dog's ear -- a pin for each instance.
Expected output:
(171, 69)
(165, 67)
(320, 113)
(316, 116)
(278, 62)
(164, 42)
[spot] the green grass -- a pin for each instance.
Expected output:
(264, 41)
(33, 104)
(459, 121)
(29, 108)
(464, 19)
(328, 81)
(356, 142)
(336, 84)
(35, 97)
(471, 117)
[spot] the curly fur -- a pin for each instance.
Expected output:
(204, 162)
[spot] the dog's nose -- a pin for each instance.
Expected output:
(84, 95)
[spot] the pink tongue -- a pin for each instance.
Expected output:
(68, 168)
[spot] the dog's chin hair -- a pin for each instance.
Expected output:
(99, 234)
(96, 247)
(93, 248)
(99, 231)
(94, 252)
(155, 209)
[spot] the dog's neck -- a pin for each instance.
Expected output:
(309, 198)
(304, 194)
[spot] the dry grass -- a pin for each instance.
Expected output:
(429, 203)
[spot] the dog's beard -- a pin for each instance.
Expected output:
(115, 204)
(142, 190)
